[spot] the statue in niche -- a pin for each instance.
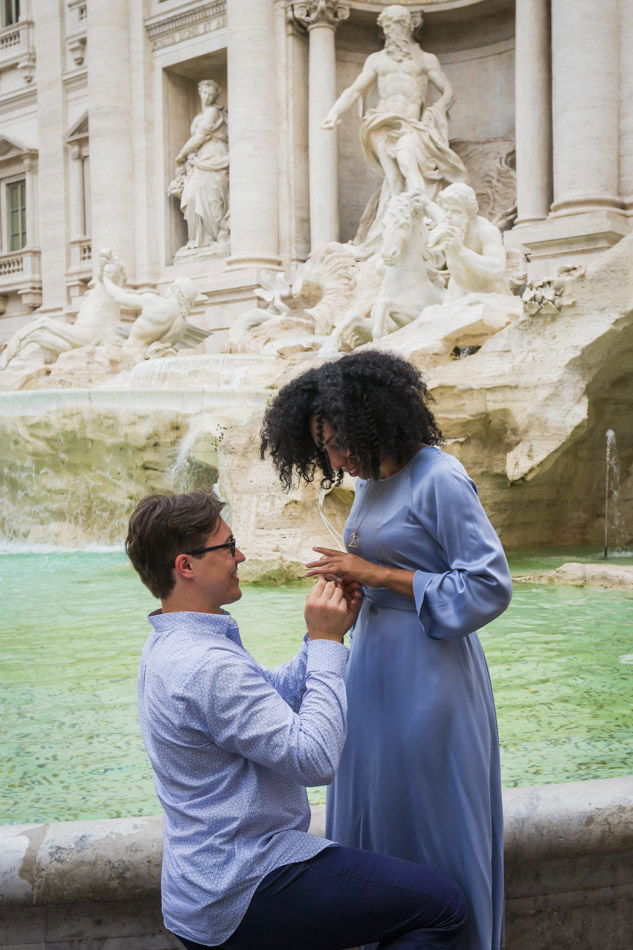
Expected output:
(161, 326)
(473, 247)
(43, 340)
(401, 136)
(202, 173)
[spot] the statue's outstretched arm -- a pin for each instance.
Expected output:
(127, 298)
(363, 82)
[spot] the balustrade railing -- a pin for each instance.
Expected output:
(11, 264)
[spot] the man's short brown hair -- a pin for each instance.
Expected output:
(164, 526)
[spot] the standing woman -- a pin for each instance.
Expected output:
(419, 777)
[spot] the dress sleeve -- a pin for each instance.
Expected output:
(243, 714)
(476, 586)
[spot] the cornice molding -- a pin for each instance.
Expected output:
(172, 28)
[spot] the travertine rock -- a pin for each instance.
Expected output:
(578, 574)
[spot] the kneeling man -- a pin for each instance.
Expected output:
(233, 746)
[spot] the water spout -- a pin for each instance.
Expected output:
(612, 517)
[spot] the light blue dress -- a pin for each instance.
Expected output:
(419, 777)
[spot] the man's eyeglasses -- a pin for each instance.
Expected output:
(231, 544)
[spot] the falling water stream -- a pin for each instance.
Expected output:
(613, 526)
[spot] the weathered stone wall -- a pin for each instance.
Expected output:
(94, 885)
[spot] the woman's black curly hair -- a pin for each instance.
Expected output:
(375, 402)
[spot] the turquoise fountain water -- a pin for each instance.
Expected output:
(73, 626)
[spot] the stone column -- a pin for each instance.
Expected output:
(626, 104)
(253, 133)
(585, 104)
(321, 18)
(51, 118)
(296, 207)
(149, 202)
(111, 130)
(533, 110)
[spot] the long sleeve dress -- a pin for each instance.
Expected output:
(419, 777)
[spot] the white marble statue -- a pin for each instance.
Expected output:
(273, 291)
(202, 173)
(473, 247)
(43, 340)
(161, 325)
(400, 136)
(406, 287)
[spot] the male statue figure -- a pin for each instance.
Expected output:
(407, 141)
(472, 245)
(162, 324)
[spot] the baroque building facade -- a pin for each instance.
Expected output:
(104, 131)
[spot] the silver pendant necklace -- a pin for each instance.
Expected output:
(354, 541)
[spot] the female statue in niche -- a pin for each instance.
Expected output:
(202, 173)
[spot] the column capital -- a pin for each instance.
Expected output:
(312, 13)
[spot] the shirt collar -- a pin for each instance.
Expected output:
(190, 621)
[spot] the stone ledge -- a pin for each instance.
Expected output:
(569, 875)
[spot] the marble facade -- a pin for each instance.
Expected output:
(97, 98)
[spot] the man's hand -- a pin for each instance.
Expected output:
(331, 610)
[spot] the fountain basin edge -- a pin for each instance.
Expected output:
(569, 874)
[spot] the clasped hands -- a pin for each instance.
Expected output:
(334, 601)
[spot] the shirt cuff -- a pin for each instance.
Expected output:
(326, 655)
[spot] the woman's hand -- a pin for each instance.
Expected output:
(346, 567)
(349, 569)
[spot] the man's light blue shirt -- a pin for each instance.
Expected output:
(233, 746)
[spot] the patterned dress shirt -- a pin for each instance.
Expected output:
(233, 746)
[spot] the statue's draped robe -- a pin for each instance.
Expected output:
(427, 141)
(204, 200)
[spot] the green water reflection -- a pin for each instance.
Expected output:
(73, 626)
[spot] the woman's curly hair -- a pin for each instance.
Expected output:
(375, 402)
